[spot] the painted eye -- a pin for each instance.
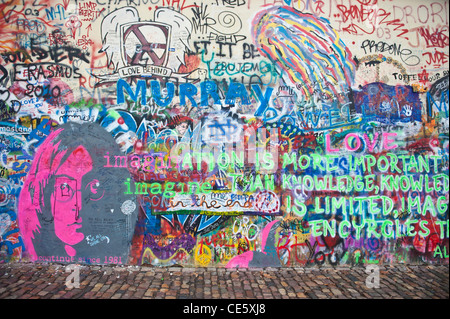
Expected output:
(96, 192)
(64, 189)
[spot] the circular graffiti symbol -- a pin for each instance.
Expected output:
(243, 229)
(267, 202)
(128, 207)
(203, 255)
(3, 196)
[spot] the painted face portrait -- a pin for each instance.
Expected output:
(180, 124)
(72, 207)
(67, 197)
(182, 128)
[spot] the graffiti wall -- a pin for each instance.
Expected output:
(224, 133)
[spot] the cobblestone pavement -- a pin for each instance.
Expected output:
(48, 281)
